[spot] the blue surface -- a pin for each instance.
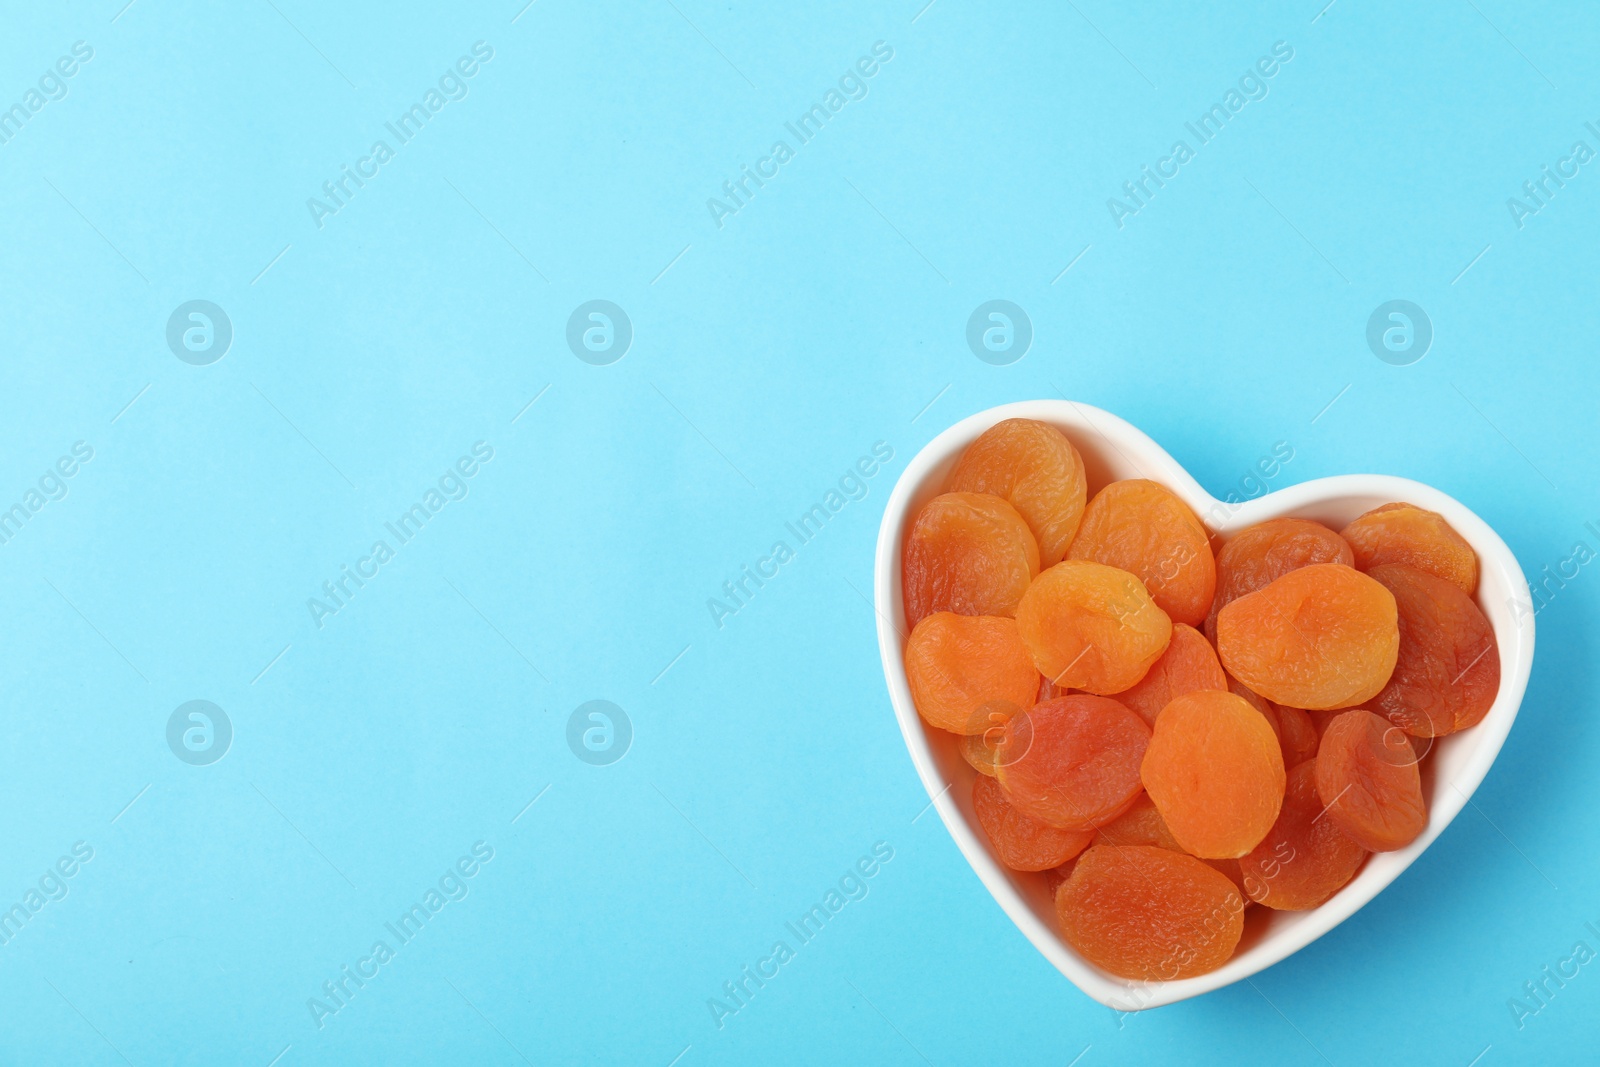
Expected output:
(375, 747)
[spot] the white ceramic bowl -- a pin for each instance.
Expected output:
(1113, 449)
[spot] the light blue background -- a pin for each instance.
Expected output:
(828, 314)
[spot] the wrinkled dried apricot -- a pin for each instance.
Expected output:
(1368, 780)
(1073, 762)
(1188, 665)
(1448, 671)
(1139, 825)
(1142, 825)
(956, 664)
(1056, 875)
(1295, 729)
(1416, 537)
(1091, 627)
(1215, 772)
(983, 733)
(1142, 527)
(1035, 469)
(1297, 735)
(1323, 636)
(969, 553)
(1267, 708)
(1257, 556)
(1149, 913)
(1230, 870)
(1022, 842)
(978, 753)
(1305, 858)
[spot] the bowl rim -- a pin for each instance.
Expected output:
(1514, 635)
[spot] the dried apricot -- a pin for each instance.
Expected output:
(1296, 730)
(982, 736)
(1230, 870)
(1323, 636)
(1267, 708)
(1448, 672)
(1186, 666)
(1139, 825)
(1022, 842)
(978, 753)
(1215, 772)
(1035, 469)
(1368, 780)
(1056, 875)
(1416, 537)
(1143, 528)
(1142, 825)
(1297, 734)
(1092, 627)
(969, 553)
(1149, 913)
(1257, 556)
(956, 664)
(1073, 762)
(1305, 858)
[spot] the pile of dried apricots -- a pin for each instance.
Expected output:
(1175, 733)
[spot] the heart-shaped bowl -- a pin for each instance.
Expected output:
(1113, 449)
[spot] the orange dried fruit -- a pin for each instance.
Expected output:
(1073, 762)
(968, 553)
(1230, 870)
(1297, 734)
(979, 753)
(1323, 636)
(958, 664)
(1092, 627)
(1139, 825)
(1368, 780)
(1022, 842)
(1295, 729)
(1033, 467)
(1416, 537)
(980, 740)
(1215, 772)
(1448, 671)
(1188, 665)
(1267, 708)
(1257, 556)
(1305, 858)
(1142, 527)
(1142, 825)
(1149, 913)
(1056, 875)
